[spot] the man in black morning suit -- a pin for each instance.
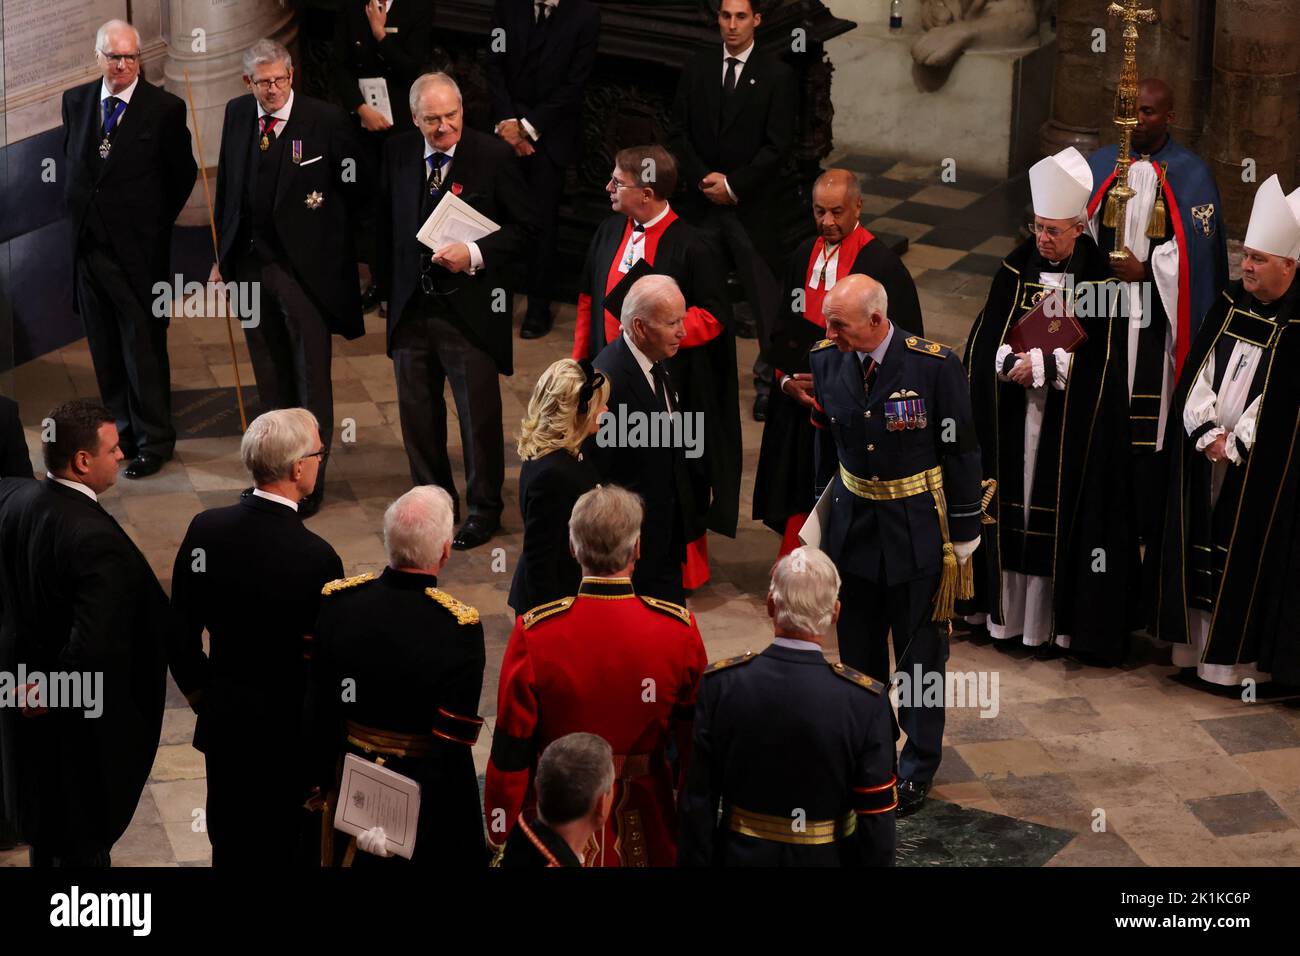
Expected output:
(635, 363)
(449, 309)
(536, 78)
(251, 574)
(733, 128)
(129, 172)
(286, 197)
(79, 599)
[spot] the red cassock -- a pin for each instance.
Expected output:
(611, 663)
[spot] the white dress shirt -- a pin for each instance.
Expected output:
(124, 96)
(278, 499)
(76, 485)
(475, 256)
(635, 250)
(646, 365)
(743, 57)
(282, 114)
(797, 645)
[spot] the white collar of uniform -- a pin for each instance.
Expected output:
(124, 96)
(278, 499)
(429, 151)
(878, 353)
(282, 114)
(743, 57)
(651, 223)
(84, 489)
(797, 645)
(637, 354)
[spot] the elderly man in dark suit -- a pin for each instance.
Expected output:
(252, 684)
(734, 125)
(130, 170)
(536, 78)
(286, 198)
(635, 363)
(83, 610)
(449, 308)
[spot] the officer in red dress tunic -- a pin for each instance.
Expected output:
(607, 662)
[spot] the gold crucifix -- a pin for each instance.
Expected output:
(1126, 117)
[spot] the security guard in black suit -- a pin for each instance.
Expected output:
(798, 751)
(897, 449)
(397, 670)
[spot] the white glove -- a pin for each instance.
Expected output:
(374, 841)
(964, 549)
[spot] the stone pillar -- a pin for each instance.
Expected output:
(1255, 104)
(213, 59)
(1079, 103)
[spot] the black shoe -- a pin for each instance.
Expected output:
(760, 406)
(475, 531)
(536, 324)
(144, 464)
(1049, 651)
(910, 796)
(370, 298)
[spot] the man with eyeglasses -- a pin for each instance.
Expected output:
(449, 309)
(1060, 569)
(130, 170)
(287, 193)
(251, 574)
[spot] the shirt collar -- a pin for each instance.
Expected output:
(429, 151)
(797, 645)
(124, 96)
(651, 223)
(279, 500)
(282, 114)
(742, 57)
(84, 489)
(879, 352)
(637, 354)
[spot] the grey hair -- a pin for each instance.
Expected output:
(804, 588)
(604, 527)
(277, 439)
(265, 51)
(573, 773)
(101, 35)
(428, 79)
(417, 527)
(648, 295)
(876, 299)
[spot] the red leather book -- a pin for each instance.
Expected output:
(1047, 326)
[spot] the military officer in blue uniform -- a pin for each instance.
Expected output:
(899, 463)
(796, 751)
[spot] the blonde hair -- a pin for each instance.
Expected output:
(553, 420)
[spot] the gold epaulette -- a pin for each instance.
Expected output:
(823, 344)
(543, 611)
(726, 662)
(342, 584)
(463, 612)
(926, 347)
(667, 607)
(859, 678)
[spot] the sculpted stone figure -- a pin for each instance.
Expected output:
(954, 25)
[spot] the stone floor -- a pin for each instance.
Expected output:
(1080, 766)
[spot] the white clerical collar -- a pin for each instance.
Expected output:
(124, 96)
(450, 152)
(278, 499)
(640, 356)
(797, 645)
(651, 223)
(742, 57)
(282, 114)
(878, 353)
(84, 489)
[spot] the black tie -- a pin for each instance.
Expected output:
(660, 375)
(729, 83)
(542, 13)
(869, 370)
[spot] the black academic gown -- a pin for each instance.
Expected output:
(705, 376)
(1082, 530)
(783, 484)
(1253, 531)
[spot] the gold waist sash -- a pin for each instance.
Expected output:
(388, 742)
(762, 826)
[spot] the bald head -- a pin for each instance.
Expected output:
(856, 312)
(1155, 107)
(837, 204)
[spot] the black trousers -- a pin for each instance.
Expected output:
(290, 347)
(128, 347)
(869, 612)
(429, 350)
(545, 180)
(735, 248)
(268, 827)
